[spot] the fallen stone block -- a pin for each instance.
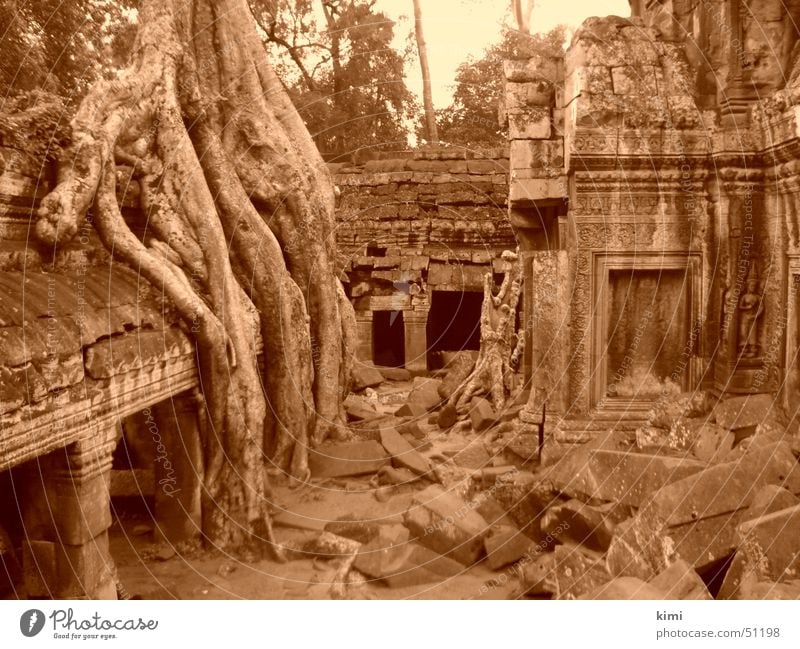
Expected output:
(680, 581)
(395, 373)
(443, 522)
(293, 520)
(402, 453)
(696, 518)
(565, 573)
(619, 476)
(360, 531)
(482, 414)
(411, 409)
(669, 408)
(624, 588)
(767, 550)
(413, 429)
(358, 408)
(389, 475)
(425, 393)
(352, 458)
(771, 498)
(506, 545)
(364, 376)
(399, 562)
(580, 523)
(743, 412)
(713, 443)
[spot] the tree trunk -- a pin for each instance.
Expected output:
(240, 237)
(501, 345)
(427, 95)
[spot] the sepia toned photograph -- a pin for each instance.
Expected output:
(398, 300)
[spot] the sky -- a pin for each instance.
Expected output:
(455, 29)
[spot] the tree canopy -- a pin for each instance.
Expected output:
(472, 119)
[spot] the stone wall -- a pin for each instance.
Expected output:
(419, 222)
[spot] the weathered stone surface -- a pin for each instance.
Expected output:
(85, 571)
(39, 568)
(352, 458)
(618, 476)
(361, 531)
(742, 412)
(680, 581)
(443, 522)
(425, 393)
(713, 443)
(696, 518)
(395, 373)
(402, 453)
(505, 545)
(625, 588)
(358, 408)
(670, 408)
(129, 352)
(365, 376)
(583, 524)
(399, 562)
(482, 414)
(565, 573)
(389, 475)
(768, 550)
(293, 520)
(411, 409)
(771, 498)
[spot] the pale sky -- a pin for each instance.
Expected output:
(455, 29)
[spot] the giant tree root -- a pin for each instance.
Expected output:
(239, 237)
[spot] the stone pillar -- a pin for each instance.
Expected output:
(178, 467)
(67, 515)
(416, 338)
(364, 333)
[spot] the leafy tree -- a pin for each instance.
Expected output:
(472, 118)
(338, 63)
(61, 47)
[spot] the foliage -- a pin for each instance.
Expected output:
(340, 68)
(472, 119)
(61, 47)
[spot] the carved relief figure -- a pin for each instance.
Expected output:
(751, 307)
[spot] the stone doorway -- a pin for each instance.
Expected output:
(388, 338)
(454, 324)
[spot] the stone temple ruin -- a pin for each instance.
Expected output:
(649, 445)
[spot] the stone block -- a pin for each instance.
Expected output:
(365, 376)
(447, 417)
(680, 581)
(82, 571)
(712, 443)
(411, 409)
(459, 367)
(534, 124)
(482, 414)
(443, 522)
(581, 523)
(358, 408)
(670, 408)
(528, 190)
(532, 93)
(743, 412)
(395, 373)
(425, 393)
(351, 458)
(624, 588)
(620, 476)
(402, 453)
(533, 69)
(399, 562)
(506, 545)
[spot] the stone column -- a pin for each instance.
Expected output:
(67, 515)
(416, 338)
(178, 467)
(364, 332)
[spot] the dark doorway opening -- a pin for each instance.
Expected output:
(388, 338)
(454, 324)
